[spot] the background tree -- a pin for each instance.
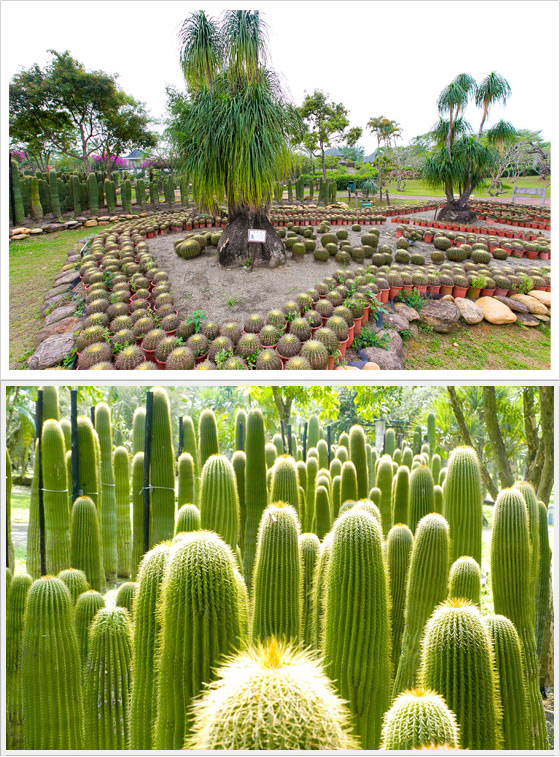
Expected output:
(232, 131)
(385, 129)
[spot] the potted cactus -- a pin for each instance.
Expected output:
(395, 283)
(420, 282)
(356, 307)
(476, 282)
(338, 325)
(446, 284)
(489, 288)
(434, 285)
(384, 289)
(460, 285)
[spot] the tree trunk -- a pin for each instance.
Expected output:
(497, 445)
(233, 248)
(456, 211)
(283, 405)
(323, 163)
(546, 478)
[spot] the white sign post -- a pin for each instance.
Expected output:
(257, 235)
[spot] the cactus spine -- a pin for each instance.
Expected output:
(384, 482)
(207, 436)
(464, 580)
(107, 680)
(419, 719)
(421, 495)
(358, 456)
(108, 507)
(357, 599)
(255, 488)
(137, 511)
(458, 663)
(188, 519)
(285, 482)
(400, 494)
(310, 548)
(271, 684)
(426, 587)
(85, 543)
(122, 496)
(219, 505)
(53, 715)
(185, 477)
(463, 503)
(15, 606)
(277, 578)
(201, 622)
(510, 568)
(399, 548)
(55, 497)
(239, 462)
(147, 628)
(162, 471)
(87, 607)
(513, 693)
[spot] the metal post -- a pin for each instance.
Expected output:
(39, 463)
(74, 447)
(283, 436)
(181, 436)
(241, 439)
(329, 441)
(305, 441)
(92, 415)
(290, 439)
(147, 461)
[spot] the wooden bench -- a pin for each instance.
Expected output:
(533, 192)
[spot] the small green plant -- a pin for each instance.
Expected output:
(68, 361)
(197, 317)
(525, 285)
(232, 301)
(221, 357)
(252, 358)
(413, 299)
(369, 338)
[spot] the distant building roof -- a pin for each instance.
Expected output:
(370, 158)
(134, 155)
(333, 151)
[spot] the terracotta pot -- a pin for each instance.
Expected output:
(342, 347)
(330, 363)
(532, 255)
(518, 253)
(501, 292)
(365, 317)
(201, 358)
(434, 288)
(422, 288)
(357, 325)
(446, 289)
(544, 255)
(473, 293)
(428, 238)
(407, 287)
(384, 296)
(149, 355)
(160, 365)
(393, 291)
(351, 332)
(488, 292)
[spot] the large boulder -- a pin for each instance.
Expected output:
(60, 327)
(517, 307)
(407, 312)
(495, 311)
(396, 321)
(541, 296)
(386, 360)
(534, 305)
(64, 311)
(52, 351)
(526, 319)
(441, 315)
(469, 310)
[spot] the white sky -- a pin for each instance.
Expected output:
(378, 58)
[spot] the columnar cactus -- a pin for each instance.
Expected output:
(122, 497)
(87, 607)
(11, 555)
(85, 542)
(407, 457)
(188, 519)
(33, 553)
(126, 196)
(36, 207)
(270, 454)
(357, 599)
(93, 194)
(310, 548)
(323, 452)
(384, 482)
(425, 589)
(419, 719)
(432, 433)
(19, 211)
(358, 456)
(55, 497)
(435, 465)
(125, 596)
(147, 628)
(336, 494)
(186, 480)
(110, 196)
(190, 445)
(15, 607)
(458, 663)
(137, 481)
(390, 442)
(348, 482)
(532, 505)
(510, 568)
(162, 471)
(421, 495)
(322, 512)
(513, 693)
(255, 488)
(219, 505)
(138, 430)
(108, 508)
(200, 623)
(543, 577)
(107, 678)
(463, 503)
(76, 582)
(240, 429)
(312, 466)
(140, 193)
(239, 462)
(277, 578)
(207, 436)
(319, 591)
(464, 580)
(313, 431)
(88, 462)
(279, 444)
(285, 483)
(399, 494)
(53, 715)
(271, 697)
(399, 548)
(51, 409)
(438, 500)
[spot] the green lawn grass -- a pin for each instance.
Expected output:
(419, 188)
(33, 265)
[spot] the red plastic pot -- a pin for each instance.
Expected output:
(428, 238)
(384, 296)
(330, 363)
(407, 287)
(342, 347)
(160, 365)
(434, 288)
(421, 289)
(357, 325)
(393, 291)
(532, 255)
(501, 292)
(201, 358)
(544, 255)
(149, 355)
(446, 289)
(488, 292)
(351, 333)
(365, 317)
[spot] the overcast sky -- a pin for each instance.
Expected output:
(378, 58)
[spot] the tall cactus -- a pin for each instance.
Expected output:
(390, 442)
(140, 193)
(15, 607)
(55, 199)
(53, 715)
(255, 488)
(419, 719)
(33, 552)
(313, 431)
(400, 494)
(312, 468)
(532, 505)
(543, 577)
(107, 680)
(432, 433)
(55, 497)
(399, 548)
(277, 579)
(323, 452)
(88, 462)
(322, 512)
(510, 568)
(76, 195)
(319, 591)
(122, 496)
(336, 494)
(126, 196)
(384, 482)
(11, 554)
(464, 580)
(19, 210)
(270, 454)
(285, 482)
(87, 607)
(190, 446)
(239, 462)
(186, 492)
(438, 500)
(435, 465)
(463, 503)
(93, 194)
(458, 663)
(188, 519)
(513, 693)
(240, 429)
(358, 456)
(110, 196)
(207, 436)
(36, 207)
(137, 482)
(348, 483)
(76, 582)
(108, 507)
(357, 600)
(200, 616)
(425, 589)
(85, 552)
(219, 504)
(162, 471)
(407, 457)
(310, 548)
(138, 430)
(147, 628)
(271, 697)
(421, 495)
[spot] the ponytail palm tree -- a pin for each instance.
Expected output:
(232, 130)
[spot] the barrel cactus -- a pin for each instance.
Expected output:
(419, 719)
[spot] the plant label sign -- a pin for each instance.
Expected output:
(257, 235)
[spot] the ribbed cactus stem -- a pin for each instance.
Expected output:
(426, 587)
(51, 409)
(384, 482)
(532, 505)
(190, 445)
(219, 505)
(399, 548)
(285, 482)
(15, 607)
(323, 451)
(125, 596)
(277, 579)
(438, 500)
(137, 484)
(463, 503)
(87, 607)
(336, 494)
(88, 462)
(421, 495)
(240, 429)
(358, 456)
(357, 600)
(510, 569)
(11, 554)
(312, 466)
(76, 582)
(207, 436)
(458, 663)
(322, 512)
(138, 430)
(19, 210)
(53, 714)
(239, 463)
(400, 493)
(419, 719)
(349, 482)
(122, 496)
(432, 433)
(407, 457)
(435, 465)
(319, 591)
(33, 554)
(271, 454)
(107, 679)
(464, 580)
(200, 623)
(313, 431)
(186, 489)
(513, 693)
(162, 471)
(55, 497)
(108, 506)
(86, 552)
(390, 442)
(543, 577)
(310, 548)
(188, 519)
(255, 488)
